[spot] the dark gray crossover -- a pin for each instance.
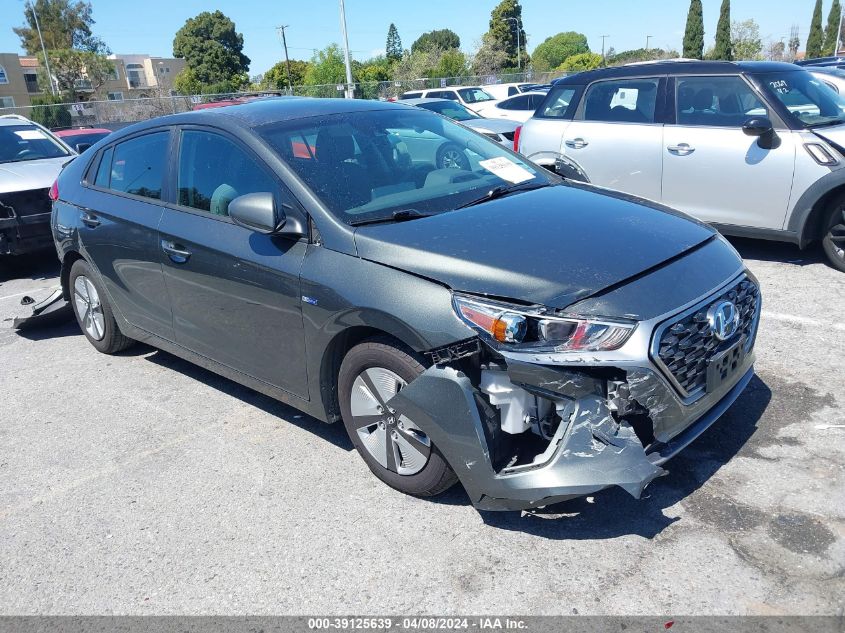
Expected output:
(485, 323)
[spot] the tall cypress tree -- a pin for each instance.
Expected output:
(815, 40)
(694, 34)
(831, 31)
(722, 50)
(393, 49)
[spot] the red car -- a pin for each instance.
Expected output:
(81, 139)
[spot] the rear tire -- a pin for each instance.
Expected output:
(394, 448)
(451, 156)
(833, 240)
(93, 310)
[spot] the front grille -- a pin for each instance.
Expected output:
(687, 344)
(22, 203)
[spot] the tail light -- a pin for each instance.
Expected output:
(54, 191)
(516, 138)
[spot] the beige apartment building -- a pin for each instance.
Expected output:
(134, 76)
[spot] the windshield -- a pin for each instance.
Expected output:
(24, 142)
(451, 109)
(369, 165)
(808, 99)
(475, 95)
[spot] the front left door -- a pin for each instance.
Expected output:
(234, 293)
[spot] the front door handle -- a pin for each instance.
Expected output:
(177, 253)
(681, 149)
(577, 143)
(89, 219)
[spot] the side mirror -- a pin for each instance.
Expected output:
(758, 126)
(258, 212)
(81, 147)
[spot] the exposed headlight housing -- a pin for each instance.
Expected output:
(517, 327)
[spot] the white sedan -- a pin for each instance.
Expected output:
(519, 108)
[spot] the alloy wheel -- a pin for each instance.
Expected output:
(453, 159)
(394, 441)
(836, 234)
(88, 308)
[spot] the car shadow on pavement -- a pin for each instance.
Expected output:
(612, 513)
(39, 265)
(770, 251)
(333, 433)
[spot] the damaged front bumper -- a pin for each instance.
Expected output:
(618, 419)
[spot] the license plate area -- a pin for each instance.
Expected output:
(725, 364)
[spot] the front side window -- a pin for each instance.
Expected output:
(137, 165)
(475, 95)
(451, 109)
(622, 101)
(557, 102)
(20, 143)
(213, 171)
(716, 101)
(368, 165)
(810, 102)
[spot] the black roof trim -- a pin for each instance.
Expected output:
(675, 68)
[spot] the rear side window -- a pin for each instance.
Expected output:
(515, 103)
(621, 101)
(716, 101)
(557, 102)
(213, 171)
(136, 166)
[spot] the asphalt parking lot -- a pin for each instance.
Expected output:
(141, 484)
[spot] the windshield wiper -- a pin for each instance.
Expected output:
(504, 190)
(397, 216)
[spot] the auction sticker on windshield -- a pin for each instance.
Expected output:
(506, 169)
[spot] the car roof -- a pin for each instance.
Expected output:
(423, 100)
(675, 68)
(84, 130)
(14, 119)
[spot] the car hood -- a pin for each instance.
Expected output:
(30, 174)
(497, 126)
(551, 246)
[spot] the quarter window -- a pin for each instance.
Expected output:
(716, 101)
(213, 171)
(104, 169)
(622, 101)
(137, 166)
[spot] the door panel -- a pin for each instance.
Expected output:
(120, 234)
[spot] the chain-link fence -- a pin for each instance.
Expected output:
(110, 113)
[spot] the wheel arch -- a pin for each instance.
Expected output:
(70, 258)
(807, 216)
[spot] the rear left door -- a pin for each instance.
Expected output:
(234, 292)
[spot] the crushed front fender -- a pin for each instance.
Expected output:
(590, 450)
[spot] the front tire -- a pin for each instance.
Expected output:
(93, 310)
(396, 450)
(451, 156)
(833, 240)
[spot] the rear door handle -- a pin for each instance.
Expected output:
(177, 253)
(89, 219)
(577, 143)
(681, 149)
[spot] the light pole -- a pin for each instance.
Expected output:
(350, 91)
(647, 38)
(603, 59)
(838, 35)
(43, 48)
(281, 29)
(518, 46)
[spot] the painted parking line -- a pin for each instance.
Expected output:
(31, 291)
(800, 320)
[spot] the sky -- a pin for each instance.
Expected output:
(148, 26)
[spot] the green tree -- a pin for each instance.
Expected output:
(580, 62)
(64, 25)
(212, 50)
(444, 39)
(556, 49)
(722, 50)
(75, 71)
(745, 40)
(831, 31)
(277, 77)
(815, 41)
(45, 112)
(639, 55)
(694, 33)
(490, 57)
(327, 67)
(452, 63)
(506, 29)
(393, 49)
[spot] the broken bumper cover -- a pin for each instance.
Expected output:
(590, 450)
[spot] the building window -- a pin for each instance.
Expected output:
(7, 102)
(31, 80)
(4, 79)
(114, 75)
(115, 96)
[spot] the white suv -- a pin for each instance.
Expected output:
(475, 98)
(754, 148)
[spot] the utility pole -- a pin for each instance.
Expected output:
(647, 38)
(838, 35)
(603, 58)
(43, 49)
(518, 45)
(281, 29)
(350, 91)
